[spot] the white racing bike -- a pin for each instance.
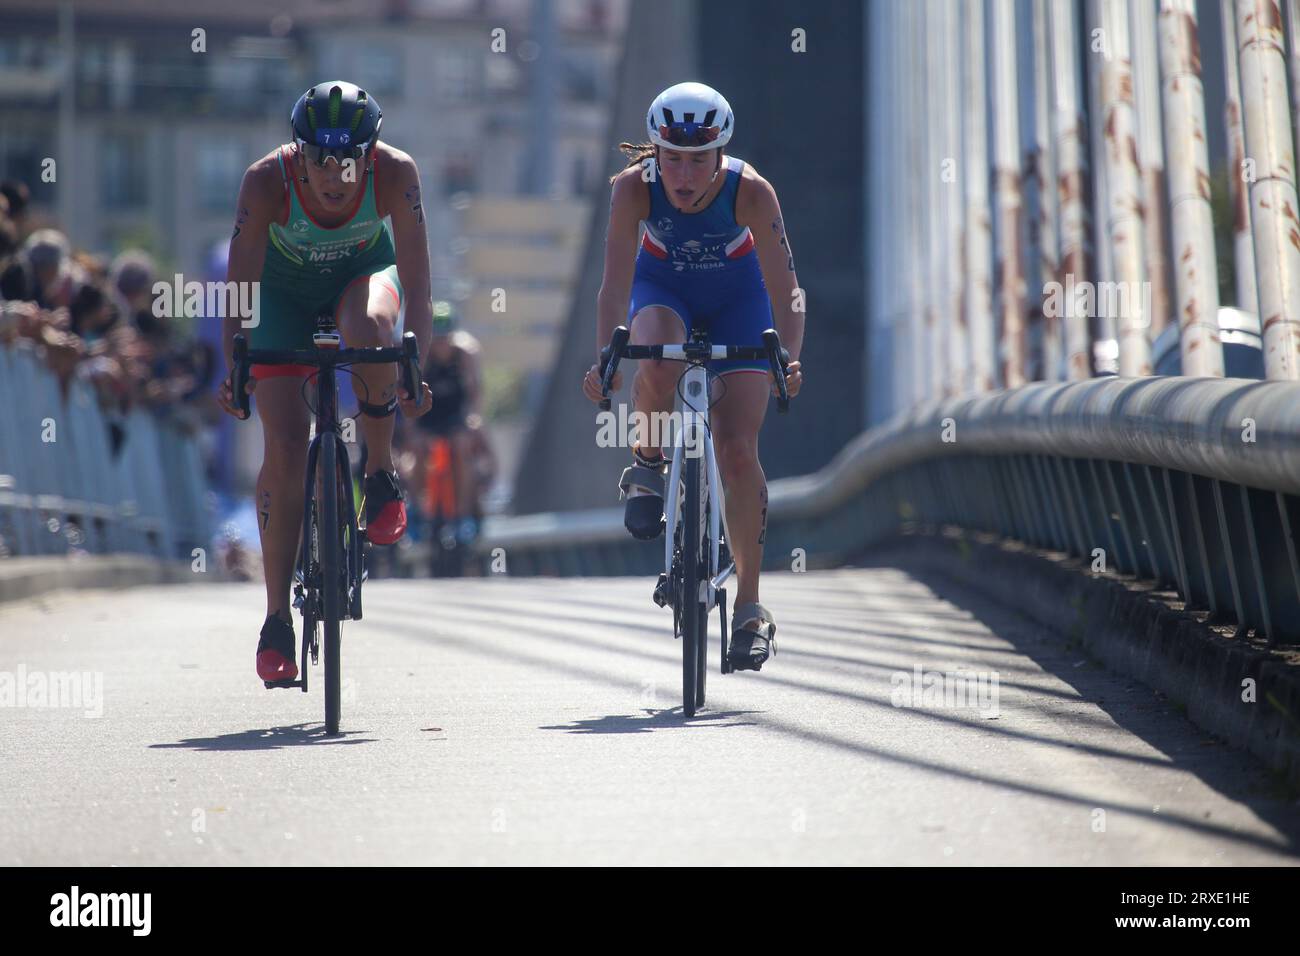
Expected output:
(696, 558)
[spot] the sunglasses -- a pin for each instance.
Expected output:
(689, 134)
(320, 155)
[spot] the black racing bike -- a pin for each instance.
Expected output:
(332, 554)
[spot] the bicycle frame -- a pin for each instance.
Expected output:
(328, 427)
(695, 437)
(327, 342)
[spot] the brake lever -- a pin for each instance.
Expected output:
(239, 378)
(778, 360)
(610, 356)
(412, 381)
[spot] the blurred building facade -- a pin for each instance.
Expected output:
(153, 125)
(159, 134)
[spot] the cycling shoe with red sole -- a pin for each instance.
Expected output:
(275, 656)
(385, 508)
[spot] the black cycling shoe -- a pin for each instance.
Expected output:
(749, 650)
(275, 650)
(644, 517)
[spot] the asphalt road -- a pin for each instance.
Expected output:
(539, 721)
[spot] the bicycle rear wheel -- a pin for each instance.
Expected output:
(702, 630)
(690, 608)
(706, 572)
(331, 576)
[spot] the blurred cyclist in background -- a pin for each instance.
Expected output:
(454, 464)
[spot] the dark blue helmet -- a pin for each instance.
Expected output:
(335, 119)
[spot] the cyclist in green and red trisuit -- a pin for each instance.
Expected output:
(331, 222)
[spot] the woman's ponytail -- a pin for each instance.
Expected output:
(637, 153)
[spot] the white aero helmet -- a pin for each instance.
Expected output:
(690, 117)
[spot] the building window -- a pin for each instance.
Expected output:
(123, 169)
(36, 53)
(501, 74)
(379, 71)
(455, 76)
(22, 157)
(219, 169)
(581, 78)
(232, 76)
(579, 184)
(458, 174)
(92, 76)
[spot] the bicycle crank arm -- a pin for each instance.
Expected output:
(725, 664)
(725, 573)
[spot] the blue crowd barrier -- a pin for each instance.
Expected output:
(62, 489)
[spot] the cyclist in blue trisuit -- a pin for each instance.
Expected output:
(696, 239)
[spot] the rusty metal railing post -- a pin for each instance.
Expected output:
(978, 305)
(1072, 185)
(1196, 274)
(1006, 161)
(1102, 333)
(1048, 265)
(914, 224)
(1273, 205)
(1293, 61)
(1243, 242)
(1124, 228)
(951, 264)
(931, 121)
(1152, 162)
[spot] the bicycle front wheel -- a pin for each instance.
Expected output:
(690, 608)
(331, 577)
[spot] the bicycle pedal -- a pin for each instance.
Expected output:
(661, 595)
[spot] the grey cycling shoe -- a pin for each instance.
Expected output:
(642, 485)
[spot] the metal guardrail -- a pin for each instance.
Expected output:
(1188, 482)
(72, 492)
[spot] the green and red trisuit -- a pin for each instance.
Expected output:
(308, 267)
